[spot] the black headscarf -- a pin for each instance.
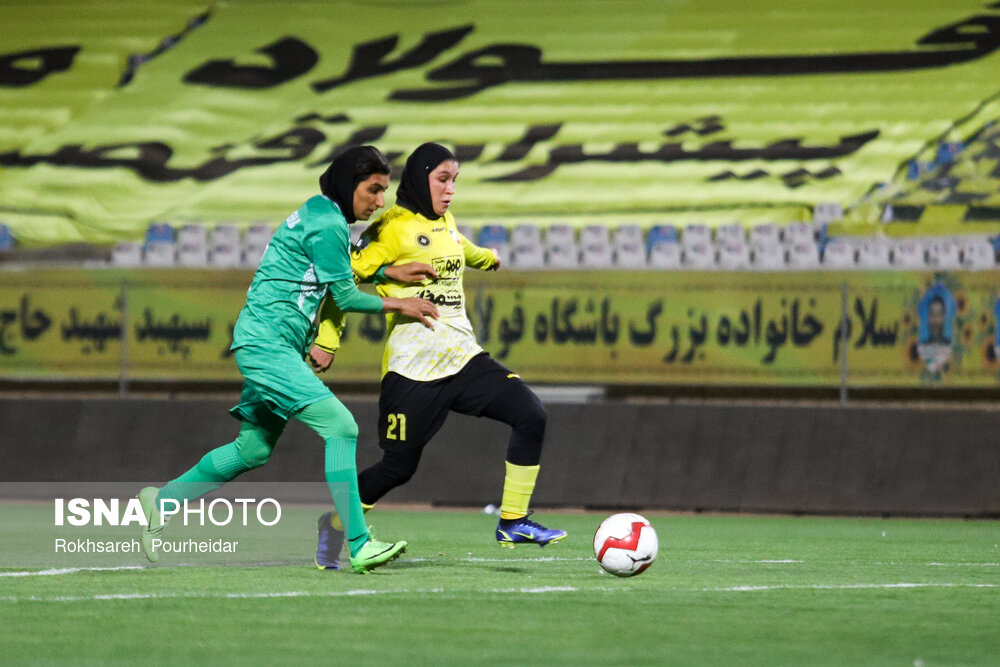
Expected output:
(339, 180)
(414, 192)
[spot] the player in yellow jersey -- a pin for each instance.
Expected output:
(416, 250)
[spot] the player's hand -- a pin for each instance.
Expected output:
(413, 272)
(418, 309)
(496, 253)
(319, 358)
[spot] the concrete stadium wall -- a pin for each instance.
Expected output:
(901, 461)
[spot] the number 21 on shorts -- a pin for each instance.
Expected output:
(397, 427)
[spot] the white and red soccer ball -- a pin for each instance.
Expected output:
(625, 544)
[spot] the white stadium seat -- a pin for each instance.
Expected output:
(838, 254)
(465, 231)
(159, 253)
(595, 247)
(255, 242)
(561, 250)
(797, 232)
(873, 253)
(192, 246)
(665, 255)
(803, 255)
(526, 234)
(768, 256)
(629, 249)
(767, 232)
(526, 250)
(978, 255)
(731, 233)
(225, 255)
(909, 254)
(944, 254)
(734, 255)
(126, 254)
(699, 256)
(695, 234)
(827, 211)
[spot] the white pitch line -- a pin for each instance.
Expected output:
(67, 570)
(277, 594)
(544, 559)
(837, 587)
(777, 560)
(964, 564)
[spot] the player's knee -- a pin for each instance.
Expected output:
(397, 470)
(253, 452)
(532, 418)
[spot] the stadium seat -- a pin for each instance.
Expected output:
(526, 250)
(159, 254)
(661, 234)
(466, 231)
(357, 230)
(561, 251)
(838, 254)
(159, 232)
(595, 247)
(629, 250)
(6, 240)
(526, 234)
(944, 254)
(978, 255)
(255, 241)
(527, 256)
(826, 212)
(731, 233)
(224, 234)
(126, 254)
(695, 234)
(803, 255)
(224, 255)
(909, 254)
(767, 232)
(734, 255)
(495, 237)
(768, 256)
(665, 255)
(797, 232)
(873, 253)
(699, 256)
(192, 245)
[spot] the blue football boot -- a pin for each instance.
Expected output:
(511, 532)
(330, 542)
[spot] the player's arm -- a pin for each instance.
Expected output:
(327, 342)
(478, 257)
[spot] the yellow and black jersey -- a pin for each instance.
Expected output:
(398, 237)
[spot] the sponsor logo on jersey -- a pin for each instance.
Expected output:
(423, 240)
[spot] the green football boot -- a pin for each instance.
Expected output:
(154, 523)
(375, 554)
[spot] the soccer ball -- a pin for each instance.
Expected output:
(625, 544)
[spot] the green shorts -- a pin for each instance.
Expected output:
(277, 383)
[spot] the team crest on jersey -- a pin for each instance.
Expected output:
(423, 240)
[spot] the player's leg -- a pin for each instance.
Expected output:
(335, 424)
(251, 449)
(410, 413)
(499, 394)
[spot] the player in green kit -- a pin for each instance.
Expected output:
(307, 258)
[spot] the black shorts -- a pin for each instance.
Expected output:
(411, 412)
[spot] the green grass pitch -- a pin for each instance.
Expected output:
(725, 590)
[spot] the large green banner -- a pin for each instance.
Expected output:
(629, 328)
(570, 111)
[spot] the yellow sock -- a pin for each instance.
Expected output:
(518, 485)
(338, 524)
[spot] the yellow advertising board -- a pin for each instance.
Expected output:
(904, 329)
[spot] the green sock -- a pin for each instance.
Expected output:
(342, 478)
(215, 468)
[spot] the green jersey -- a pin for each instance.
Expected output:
(308, 253)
